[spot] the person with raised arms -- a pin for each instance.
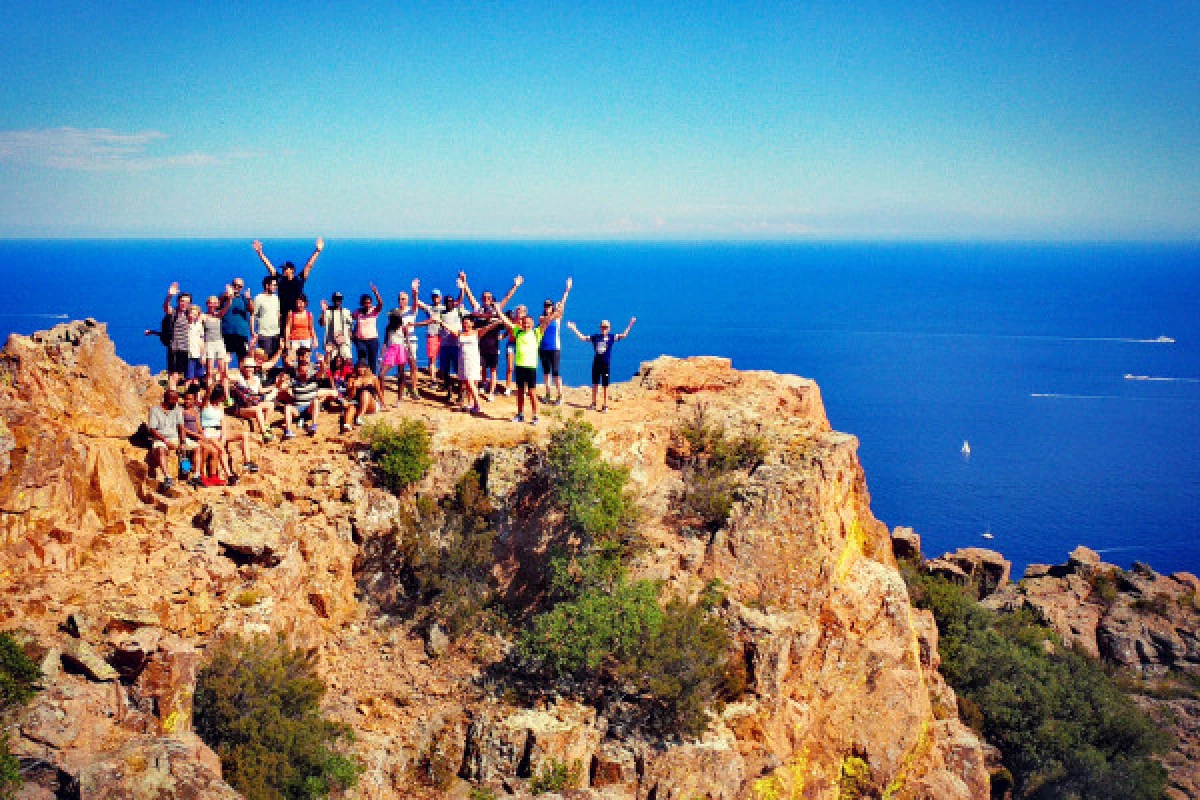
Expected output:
(366, 329)
(550, 349)
(489, 342)
(526, 338)
(291, 285)
(602, 345)
(400, 346)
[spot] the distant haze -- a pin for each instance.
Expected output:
(601, 120)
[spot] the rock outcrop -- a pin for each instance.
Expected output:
(105, 572)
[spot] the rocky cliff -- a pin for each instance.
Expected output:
(122, 587)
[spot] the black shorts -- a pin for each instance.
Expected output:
(269, 345)
(526, 377)
(550, 361)
(235, 345)
(599, 372)
(489, 360)
(177, 361)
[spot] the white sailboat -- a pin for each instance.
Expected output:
(966, 449)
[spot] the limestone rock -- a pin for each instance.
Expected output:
(906, 543)
(1083, 557)
(436, 641)
(164, 768)
(985, 570)
(249, 531)
(80, 654)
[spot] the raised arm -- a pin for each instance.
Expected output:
(461, 283)
(517, 281)
(324, 313)
(470, 296)
(226, 302)
(378, 299)
(575, 330)
(172, 290)
(313, 258)
(503, 318)
(418, 303)
(263, 256)
(561, 308)
(628, 328)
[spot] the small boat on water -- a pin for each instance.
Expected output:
(1165, 340)
(966, 449)
(988, 535)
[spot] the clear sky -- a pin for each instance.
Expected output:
(1057, 120)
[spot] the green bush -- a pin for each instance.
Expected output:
(401, 452)
(437, 562)
(556, 777)
(682, 664)
(257, 704)
(1063, 725)
(591, 494)
(18, 683)
(709, 458)
(600, 627)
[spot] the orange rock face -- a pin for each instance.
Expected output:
(841, 671)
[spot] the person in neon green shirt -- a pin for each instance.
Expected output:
(528, 338)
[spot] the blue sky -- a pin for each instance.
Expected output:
(601, 120)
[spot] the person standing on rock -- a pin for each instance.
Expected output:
(602, 344)
(366, 329)
(167, 435)
(177, 337)
(526, 339)
(265, 329)
(291, 285)
(550, 348)
(235, 325)
(339, 327)
(489, 343)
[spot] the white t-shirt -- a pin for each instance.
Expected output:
(266, 314)
(196, 339)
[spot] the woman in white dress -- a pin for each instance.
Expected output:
(470, 371)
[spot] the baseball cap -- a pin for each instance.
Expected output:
(436, 293)
(338, 296)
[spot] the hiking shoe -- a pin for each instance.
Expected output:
(250, 466)
(289, 434)
(312, 430)
(233, 479)
(534, 421)
(167, 484)
(487, 398)
(519, 418)
(268, 437)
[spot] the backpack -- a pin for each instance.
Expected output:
(166, 333)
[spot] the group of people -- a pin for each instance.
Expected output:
(296, 363)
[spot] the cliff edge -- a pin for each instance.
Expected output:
(122, 587)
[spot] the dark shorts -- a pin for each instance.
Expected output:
(269, 345)
(489, 360)
(550, 361)
(177, 361)
(526, 377)
(600, 372)
(195, 369)
(447, 359)
(235, 345)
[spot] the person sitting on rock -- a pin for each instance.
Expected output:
(192, 448)
(302, 399)
(219, 436)
(602, 344)
(364, 395)
(165, 425)
(251, 400)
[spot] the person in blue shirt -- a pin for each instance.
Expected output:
(602, 344)
(235, 325)
(550, 349)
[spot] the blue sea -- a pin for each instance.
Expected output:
(1021, 349)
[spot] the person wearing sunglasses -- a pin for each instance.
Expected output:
(550, 347)
(602, 344)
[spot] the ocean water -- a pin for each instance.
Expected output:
(1020, 349)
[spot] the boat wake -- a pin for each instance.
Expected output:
(1160, 379)
(1061, 396)
(35, 316)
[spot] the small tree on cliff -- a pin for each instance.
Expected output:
(18, 683)
(258, 706)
